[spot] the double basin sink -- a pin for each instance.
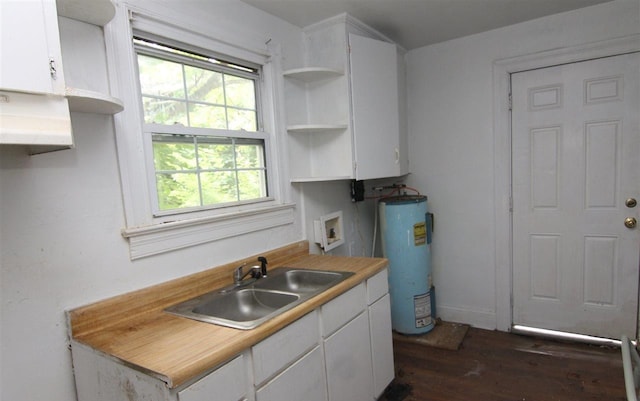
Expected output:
(248, 305)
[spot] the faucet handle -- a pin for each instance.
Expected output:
(263, 266)
(237, 273)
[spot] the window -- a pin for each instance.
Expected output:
(201, 115)
(198, 147)
(194, 171)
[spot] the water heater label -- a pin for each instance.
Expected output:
(422, 308)
(420, 233)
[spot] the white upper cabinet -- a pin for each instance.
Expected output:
(374, 97)
(33, 109)
(31, 59)
(36, 97)
(343, 107)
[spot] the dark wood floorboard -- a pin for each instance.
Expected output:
(497, 366)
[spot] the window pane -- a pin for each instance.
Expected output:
(250, 156)
(240, 92)
(218, 187)
(160, 77)
(168, 112)
(204, 85)
(216, 155)
(242, 119)
(171, 154)
(251, 184)
(203, 116)
(177, 190)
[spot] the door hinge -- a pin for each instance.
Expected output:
(510, 101)
(52, 68)
(511, 204)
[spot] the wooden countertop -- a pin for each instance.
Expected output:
(134, 329)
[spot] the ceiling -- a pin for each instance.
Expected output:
(417, 23)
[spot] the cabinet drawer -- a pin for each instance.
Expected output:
(228, 383)
(284, 347)
(345, 307)
(304, 380)
(377, 286)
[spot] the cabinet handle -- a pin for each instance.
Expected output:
(397, 155)
(52, 68)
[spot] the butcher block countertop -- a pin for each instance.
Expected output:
(134, 329)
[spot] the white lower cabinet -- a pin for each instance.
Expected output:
(381, 344)
(379, 306)
(339, 311)
(283, 348)
(348, 358)
(226, 383)
(342, 351)
(358, 343)
(304, 380)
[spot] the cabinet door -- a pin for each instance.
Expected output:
(381, 344)
(29, 40)
(348, 362)
(374, 97)
(304, 380)
(227, 383)
(282, 348)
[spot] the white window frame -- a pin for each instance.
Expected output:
(207, 208)
(148, 234)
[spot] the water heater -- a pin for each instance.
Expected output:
(405, 225)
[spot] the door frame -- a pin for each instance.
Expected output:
(502, 169)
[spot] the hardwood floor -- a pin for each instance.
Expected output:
(496, 366)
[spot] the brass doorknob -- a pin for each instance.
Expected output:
(630, 222)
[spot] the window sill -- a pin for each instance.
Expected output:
(161, 238)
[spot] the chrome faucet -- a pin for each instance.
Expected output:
(256, 272)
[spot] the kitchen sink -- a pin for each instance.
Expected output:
(250, 304)
(245, 305)
(300, 281)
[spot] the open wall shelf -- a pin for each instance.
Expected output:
(312, 74)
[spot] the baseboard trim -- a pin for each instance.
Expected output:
(476, 318)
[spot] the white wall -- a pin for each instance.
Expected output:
(61, 213)
(321, 198)
(61, 247)
(451, 142)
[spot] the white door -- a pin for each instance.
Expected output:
(575, 138)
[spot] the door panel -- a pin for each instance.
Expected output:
(575, 139)
(374, 90)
